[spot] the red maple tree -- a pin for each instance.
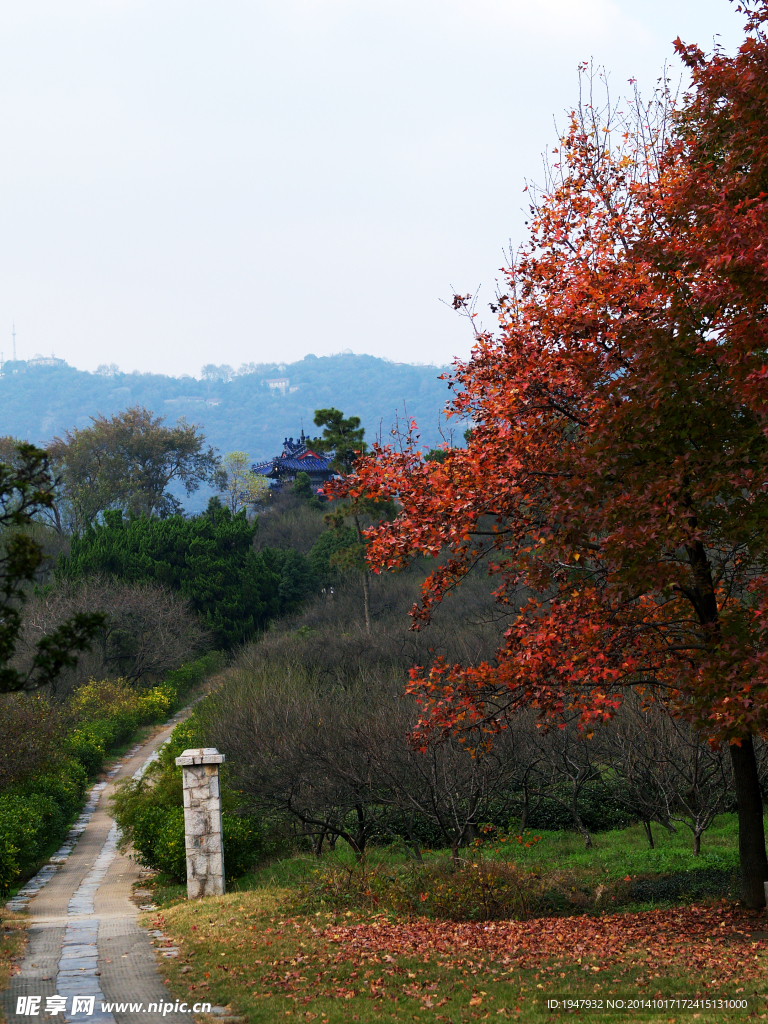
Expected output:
(615, 477)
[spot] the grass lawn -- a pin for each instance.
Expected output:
(280, 948)
(646, 876)
(626, 851)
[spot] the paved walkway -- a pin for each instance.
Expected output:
(83, 937)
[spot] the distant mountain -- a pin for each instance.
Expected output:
(250, 411)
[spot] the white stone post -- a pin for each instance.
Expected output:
(202, 821)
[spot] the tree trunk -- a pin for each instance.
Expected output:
(317, 844)
(367, 600)
(414, 850)
(649, 834)
(57, 524)
(584, 832)
(752, 856)
(366, 580)
(578, 821)
(526, 807)
(696, 844)
(412, 844)
(361, 833)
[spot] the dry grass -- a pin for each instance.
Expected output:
(13, 939)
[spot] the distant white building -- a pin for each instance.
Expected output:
(50, 360)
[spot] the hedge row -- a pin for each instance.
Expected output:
(108, 713)
(36, 815)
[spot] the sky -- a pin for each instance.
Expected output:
(187, 182)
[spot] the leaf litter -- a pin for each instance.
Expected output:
(715, 941)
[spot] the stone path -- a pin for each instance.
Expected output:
(84, 940)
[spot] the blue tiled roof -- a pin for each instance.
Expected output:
(297, 457)
(307, 465)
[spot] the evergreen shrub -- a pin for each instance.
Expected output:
(209, 560)
(598, 808)
(28, 824)
(158, 839)
(180, 680)
(36, 815)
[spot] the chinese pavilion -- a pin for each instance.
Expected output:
(297, 457)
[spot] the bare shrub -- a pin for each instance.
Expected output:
(31, 732)
(149, 631)
(286, 521)
(567, 762)
(666, 770)
(329, 635)
(334, 756)
(479, 889)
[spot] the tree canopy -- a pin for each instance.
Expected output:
(127, 462)
(240, 485)
(209, 560)
(614, 479)
(342, 436)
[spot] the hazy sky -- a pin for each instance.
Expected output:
(194, 181)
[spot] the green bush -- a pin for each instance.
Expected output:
(27, 824)
(35, 814)
(185, 735)
(181, 680)
(158, 838)
(90, 742)
(598, 808)
(243, 844)
(87, 750)
(66, 788)
(9, 863)
(107, 712)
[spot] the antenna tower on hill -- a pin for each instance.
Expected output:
(14, 341)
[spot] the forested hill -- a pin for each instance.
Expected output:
(238, 412)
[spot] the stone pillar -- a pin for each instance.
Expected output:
(202, 821)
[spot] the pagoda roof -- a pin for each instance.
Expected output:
(296, 457)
